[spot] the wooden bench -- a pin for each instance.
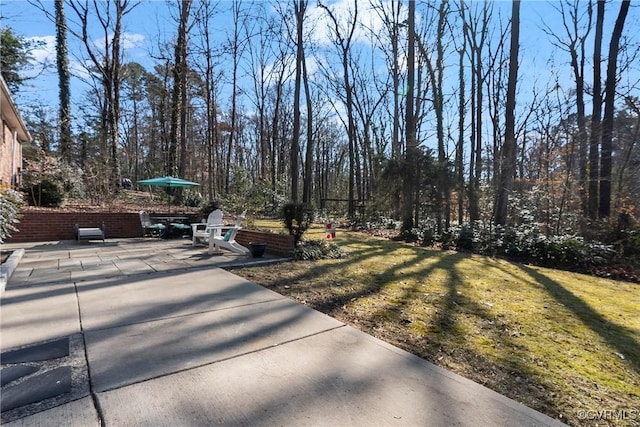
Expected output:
(90, 233)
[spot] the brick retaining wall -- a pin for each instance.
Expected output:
(277, 244)
(52, 226)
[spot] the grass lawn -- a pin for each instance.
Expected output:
(559, 342)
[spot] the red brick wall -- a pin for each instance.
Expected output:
(53, 226)
(277, 244)
(49, 226)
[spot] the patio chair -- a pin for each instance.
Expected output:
(202, 230)
(149, 228)
(228, 241)
(179, 229)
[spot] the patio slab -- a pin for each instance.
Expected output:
(32, 314)
(121, 301)
(134, 353)
(341, 377)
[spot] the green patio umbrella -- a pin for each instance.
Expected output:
(168, 182)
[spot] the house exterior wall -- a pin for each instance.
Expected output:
(14, 134)
(10, 157)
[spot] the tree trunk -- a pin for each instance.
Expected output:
(604, 208)
(62, 59)
(460, 145)
(594, 146)
(182, 160)
(408, 191)
(307, 185)
(507, 163)
(300, 8)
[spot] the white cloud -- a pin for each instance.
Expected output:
(127, 41)
(132, 40)
(343, 10)
(45, 52)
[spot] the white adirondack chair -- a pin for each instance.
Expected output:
(228, 240)
(203, 230)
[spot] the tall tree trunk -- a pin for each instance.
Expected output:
(184, 68)
(343, 43)
(210, 99)
(395, 143)
(62, 59)
(578, 65)
(460, 145)
(594, 141)
(444, 203)
(307, 185)
(235, 50)
(300, 8)
(179, 96)
(507, 164)
(411, 155)
(604, 209)
(476, 29)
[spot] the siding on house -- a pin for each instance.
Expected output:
(14, 134)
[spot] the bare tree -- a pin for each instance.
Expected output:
(211, 76)
(390, 14)
(300, 7)
(459, 160)
(307, 182)
(507, 161)
(596, 116)
(62, 59)
(410, 126)
(435, 69)
(177, 157)
(236, 47)
(343, 43)
(476, 29)
(604, 208)
(106, 62)
(577, 24)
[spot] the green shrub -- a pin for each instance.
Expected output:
(631, 244)
(465, 238)
(47, 192)
(297, 218)
(192, 199)
(312, 250)
(10, 202)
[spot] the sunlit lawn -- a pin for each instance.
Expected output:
(559, 342)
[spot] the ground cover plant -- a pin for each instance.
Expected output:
(563, 343)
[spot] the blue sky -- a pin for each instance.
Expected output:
(151, 21)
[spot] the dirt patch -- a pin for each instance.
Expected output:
(125, 201)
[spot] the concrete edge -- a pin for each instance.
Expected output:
(7, 269)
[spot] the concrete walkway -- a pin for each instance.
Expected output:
(156, 333)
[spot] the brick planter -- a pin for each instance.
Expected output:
(277, 244)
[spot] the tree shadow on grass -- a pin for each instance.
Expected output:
(512, 374)
(618, 337)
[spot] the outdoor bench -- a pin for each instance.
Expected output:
(90, 233)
